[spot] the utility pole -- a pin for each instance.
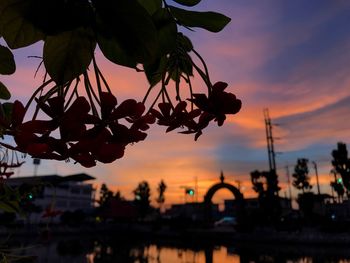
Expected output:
(270, 148)
(269, 139)
(289, 186)
(318, 183)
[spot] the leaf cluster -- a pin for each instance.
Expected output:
(128, 32)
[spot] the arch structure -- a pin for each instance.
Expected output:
(222, 185)
(216, 187)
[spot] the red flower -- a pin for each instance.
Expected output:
(97, 144)
(179, 117)
(218, 103)
(108, 103)
(73, 122)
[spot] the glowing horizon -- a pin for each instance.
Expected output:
(292, 57)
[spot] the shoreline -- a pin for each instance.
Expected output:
(211, 235)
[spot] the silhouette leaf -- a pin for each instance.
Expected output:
(113, 51)
(68, 54)
(136, 35)
(7, 110)
(210, 21)
(151, 5)
(187, 2)
(16, 30)
(4, 93)
(167, 31)
(10, 206)
(154, 70)
(7, 62)
(56, 16)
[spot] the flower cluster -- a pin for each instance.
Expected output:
(76, 130)
(213, 107)
(83, 137)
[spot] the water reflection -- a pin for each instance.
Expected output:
(97, 250)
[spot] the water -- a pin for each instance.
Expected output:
(103, 250)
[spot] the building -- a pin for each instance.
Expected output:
(193, 211)
(253, 204)
(119, 210)
(54, 192)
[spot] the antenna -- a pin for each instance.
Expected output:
(269, 139)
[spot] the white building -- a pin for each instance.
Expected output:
(59, 193)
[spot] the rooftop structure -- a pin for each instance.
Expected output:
(61, 193)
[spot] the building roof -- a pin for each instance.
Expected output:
(52, 179)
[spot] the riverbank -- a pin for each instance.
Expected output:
(211, 235)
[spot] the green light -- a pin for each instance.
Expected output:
(340, 180)
(190, 191)
(30, 196)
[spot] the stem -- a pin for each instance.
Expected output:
(191, 90)
(177, 85)
(164, 91)
(168, 97)
(163, 86)
(91, 89)
(37, 69)
(37, 107)
(72, 95)
(147, 94)
(104, 80)
(77, 80)
(204, 77)
(41, 87)
(88, 87)
(203, 62)
(97, 76)
(50, 93)
(154, 102)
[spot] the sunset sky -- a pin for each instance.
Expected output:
(292, 57)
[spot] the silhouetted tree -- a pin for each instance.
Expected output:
(265, 183)
(341, 163)
(337, 185)
(301, 179)
(161, 189)
(142, 197)
(105, 194)
(118, 196)
(339, 189)
(257, 181)
(306, 202)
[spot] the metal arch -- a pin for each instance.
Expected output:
(216, 187)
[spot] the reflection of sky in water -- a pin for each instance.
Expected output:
(156, 254)
(85, 250)
(173, 255)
